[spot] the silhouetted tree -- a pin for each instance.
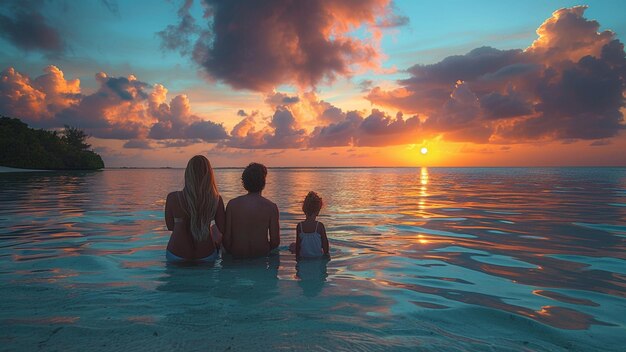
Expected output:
(24, 147)
(75, 137)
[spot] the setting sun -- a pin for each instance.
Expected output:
(384, 174)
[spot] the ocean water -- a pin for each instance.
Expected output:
(496, 259)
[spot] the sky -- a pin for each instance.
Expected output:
(323, 83)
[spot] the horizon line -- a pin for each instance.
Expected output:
(370, 167)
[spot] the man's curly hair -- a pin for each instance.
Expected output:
(312, 204)
(253, 177)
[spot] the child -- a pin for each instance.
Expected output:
(311, 240)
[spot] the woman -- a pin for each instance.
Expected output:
(188, 214)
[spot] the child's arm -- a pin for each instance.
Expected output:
(325, 246)
(298, 241)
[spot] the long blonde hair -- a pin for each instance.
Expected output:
(201, 196)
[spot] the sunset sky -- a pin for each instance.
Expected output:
(323, 83)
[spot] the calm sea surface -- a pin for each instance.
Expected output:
(422, 259)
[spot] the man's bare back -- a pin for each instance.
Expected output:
(252, 227)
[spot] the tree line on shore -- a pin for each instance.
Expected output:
(28, 148)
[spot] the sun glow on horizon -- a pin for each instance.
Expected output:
(424, 150)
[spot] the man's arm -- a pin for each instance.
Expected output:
(274, 229)
(169, 215)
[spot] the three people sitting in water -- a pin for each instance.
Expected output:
(250, 223)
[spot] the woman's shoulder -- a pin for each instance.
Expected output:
(172, 195)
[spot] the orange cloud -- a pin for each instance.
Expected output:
(121, 108)
(567, 35)
(36, 101)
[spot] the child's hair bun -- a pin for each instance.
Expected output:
(312, 203)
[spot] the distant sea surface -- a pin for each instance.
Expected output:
(487, 259)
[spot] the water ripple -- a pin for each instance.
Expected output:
(426, 259)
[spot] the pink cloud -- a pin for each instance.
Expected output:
(121, 108)
(37, 100)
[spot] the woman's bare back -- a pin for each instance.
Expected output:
(181, 241)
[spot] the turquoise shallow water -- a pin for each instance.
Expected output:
(422, 259)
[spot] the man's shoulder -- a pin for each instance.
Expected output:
(235, 200)
(269, 205)
(268, 202)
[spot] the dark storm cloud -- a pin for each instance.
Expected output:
(430, 86)
(468, 67)
(259, 45)
(177, 143)
(499, 106)
(393, 21)
(337, 134)
(112, 6)
(584, 102)
(23, 25)
(179, 36)
(377, 129)
(366, 85)
(282, 132)
(207, 131)
(176, 121)
(127, 89)
(280, 99)
(138, 144)
(600, 143)
(569, 84)
(116, 110)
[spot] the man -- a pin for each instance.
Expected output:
(252, 228)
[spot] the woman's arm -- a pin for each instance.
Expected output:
(325, 246)
(169, 214)
(220, 216)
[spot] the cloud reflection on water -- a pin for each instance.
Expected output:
(540, 244)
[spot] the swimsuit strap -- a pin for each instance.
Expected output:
(301, 224)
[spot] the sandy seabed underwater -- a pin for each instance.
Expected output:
(496, 259)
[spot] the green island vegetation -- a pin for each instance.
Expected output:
(28, 148)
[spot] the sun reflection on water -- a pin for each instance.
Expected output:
(543, 245)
